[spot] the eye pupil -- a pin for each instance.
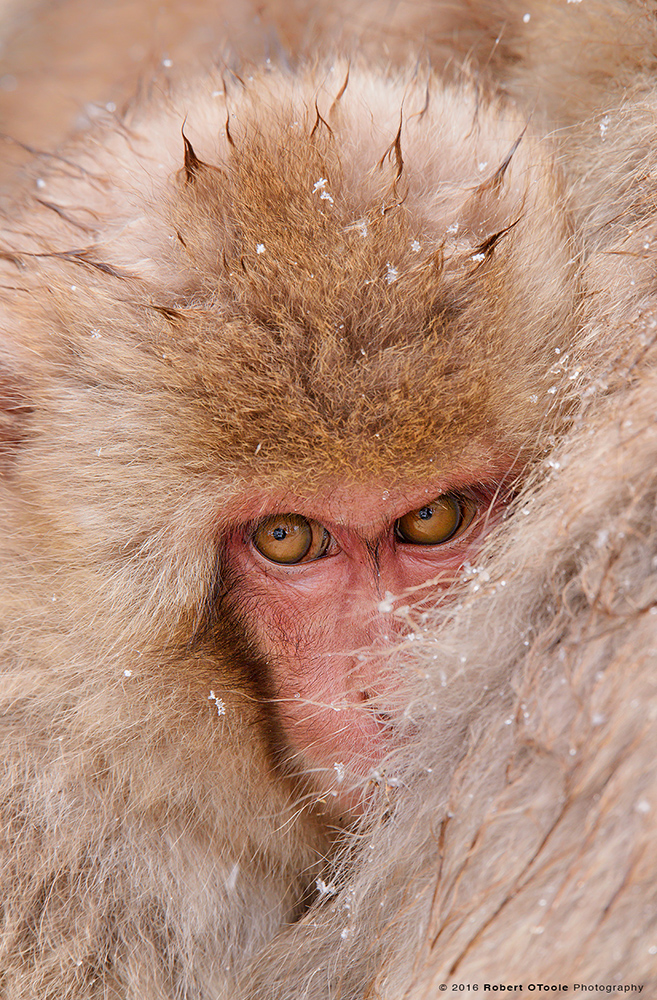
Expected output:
(443, 519)
(287, 539)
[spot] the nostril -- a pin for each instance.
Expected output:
(368, 698)
(383, 719)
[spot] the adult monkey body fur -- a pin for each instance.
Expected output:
(518, 843)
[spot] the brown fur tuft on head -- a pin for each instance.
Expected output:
(285, 269)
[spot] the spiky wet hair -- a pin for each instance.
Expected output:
(302, 278)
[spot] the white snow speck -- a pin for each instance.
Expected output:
(416, 246)
(167, 63)
(604, 125)
(219, 702)
(127, 673)
(533, 398)
(391, 273)
(345, 933)
(482, 165)
(478, 257)
(643, 806)
(40, 183)
(257, 451)
(111, 107)
(453, 229)
(260, 248)
(385, 606)
(339, 772)
(526, 18)
(325, 888)
(320, 184)
(325, 196)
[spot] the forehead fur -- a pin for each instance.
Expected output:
(331, 279)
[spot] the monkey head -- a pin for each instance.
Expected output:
(307, 345)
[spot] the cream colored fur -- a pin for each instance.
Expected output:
(184, 325)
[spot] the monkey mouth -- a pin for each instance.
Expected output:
(342, 762)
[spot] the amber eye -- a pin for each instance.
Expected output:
(437, 522)
(290, 538)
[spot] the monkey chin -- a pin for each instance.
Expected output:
(346, 766)
(338, 747)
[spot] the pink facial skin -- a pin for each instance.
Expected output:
(313, 618)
